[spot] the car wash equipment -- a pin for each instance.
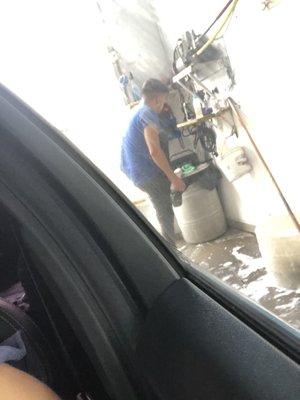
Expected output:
(187, 168)
(197, 104)
(208, 139)
(176, 199)
(234, 163)
(177, 160)
(198, 209)
(200, 215)
(134, 89)
(187, 47)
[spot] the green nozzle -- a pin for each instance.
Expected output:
(188, 168)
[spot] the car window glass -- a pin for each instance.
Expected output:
(206, 149)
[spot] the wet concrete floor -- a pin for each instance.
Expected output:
(236, 260)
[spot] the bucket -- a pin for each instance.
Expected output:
(200, 216)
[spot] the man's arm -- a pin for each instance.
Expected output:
(152, 140)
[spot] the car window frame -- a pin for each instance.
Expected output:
(277, 332)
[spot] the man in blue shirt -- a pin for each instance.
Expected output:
(144, 161)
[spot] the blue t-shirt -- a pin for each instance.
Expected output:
(136, 161)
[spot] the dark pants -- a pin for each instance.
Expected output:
(158, 189)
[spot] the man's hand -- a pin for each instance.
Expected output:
(177, 184)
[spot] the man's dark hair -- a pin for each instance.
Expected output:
(153, 87)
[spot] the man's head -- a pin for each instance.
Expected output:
(155, 94)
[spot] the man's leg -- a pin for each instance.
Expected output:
(158, 189)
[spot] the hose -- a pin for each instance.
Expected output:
(216, 19)
(210, 41)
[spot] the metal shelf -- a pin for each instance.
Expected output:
(191, 72)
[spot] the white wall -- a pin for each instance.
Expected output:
(54, 56)
(132, 30)
(262, 47)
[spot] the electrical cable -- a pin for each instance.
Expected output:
(207, 137)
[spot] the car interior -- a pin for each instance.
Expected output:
(105, 309)
(26, 308)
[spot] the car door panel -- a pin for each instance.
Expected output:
(191, 348)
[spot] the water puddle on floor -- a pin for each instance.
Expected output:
(235, 259)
